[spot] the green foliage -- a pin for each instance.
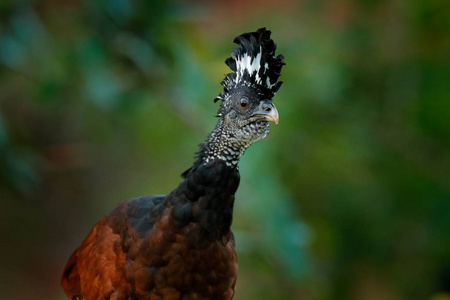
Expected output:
(347, 199)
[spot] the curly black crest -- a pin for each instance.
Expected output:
(254, 64)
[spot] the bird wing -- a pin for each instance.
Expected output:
(96, 268)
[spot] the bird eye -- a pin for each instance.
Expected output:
(243, 103)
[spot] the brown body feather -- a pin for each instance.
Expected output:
(159, 247)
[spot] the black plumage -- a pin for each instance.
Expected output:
(180, 246)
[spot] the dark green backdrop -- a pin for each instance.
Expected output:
(349, 197)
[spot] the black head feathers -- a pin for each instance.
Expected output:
(254, 65)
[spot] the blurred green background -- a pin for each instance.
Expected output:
(349, 197)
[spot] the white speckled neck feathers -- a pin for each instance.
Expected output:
(222, 144)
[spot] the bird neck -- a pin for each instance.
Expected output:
(206, 198)
(222, 145)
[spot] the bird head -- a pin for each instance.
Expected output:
(246, 101)
(247, 107)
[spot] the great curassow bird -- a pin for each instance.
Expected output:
(180, 246)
